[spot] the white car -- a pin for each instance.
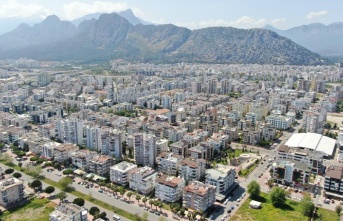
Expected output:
(226, 201)
(239, 200)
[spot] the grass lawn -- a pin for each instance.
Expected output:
(34, 210)
(291, 212)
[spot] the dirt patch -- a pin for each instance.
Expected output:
(335, 118)
(51, 204)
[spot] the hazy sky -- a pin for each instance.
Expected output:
(190, 13)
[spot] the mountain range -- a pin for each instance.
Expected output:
(115, 36)
(325, 40)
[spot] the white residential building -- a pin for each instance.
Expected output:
(279, 121)
(169, 188)
(69, 211)
(142, 180)
(112, 143)
(161, 146)
(314, 120)
(48, 149)
(64, 151)
(145, 147)
(119, 172)
(221, 176)
(11, 191)
(290, 172)
(70, 131)
(192, 169)
(93, 138)
(169, 163)
(198, 196)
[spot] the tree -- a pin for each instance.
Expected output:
(138, 197)
(61, 195)
(254, 189)
(9, 171)
(94, 210)
(101, 215)
(79, 201)
(129, 194)
(151, 202)
(49, 190)
(270, 183)
(160, 205)
(36, 184)
(338, 210)
(278, 196)
(144, 200)
(67, 172)
(20, 164)
(65, 183)
(17, 175)
(307, 206)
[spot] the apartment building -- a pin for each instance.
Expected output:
(11, 191)
(93, 138)
(68, 211)
(100, 165)
(221, 176)
(70, 131)
(279, 122)
(48, 149)
(290, 172)
(169, 188)
(192, 168)
(161, 146)
(81, 158)
(333, 183)
(314, 120)
(312, 158)
(112, 143)
(142, 180)
(198, 196)
(144, 148)
(119, 172)
(63, 152)
(168, 163)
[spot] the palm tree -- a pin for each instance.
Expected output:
(160, 205)
(138, 197)
(129, 194)
(151, 202)
(144, 201)
(156, 203)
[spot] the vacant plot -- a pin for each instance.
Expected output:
(290, 212)
(34, 210)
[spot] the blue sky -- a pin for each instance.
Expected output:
(190, 13)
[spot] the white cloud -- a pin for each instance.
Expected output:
(243, 22)
(278, 21)
(313, 15)
(77, 9)
(12, 8)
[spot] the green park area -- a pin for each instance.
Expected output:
(291, 211)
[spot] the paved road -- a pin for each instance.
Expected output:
(100, 196)
(132, 208)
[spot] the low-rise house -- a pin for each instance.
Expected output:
(68, 211)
